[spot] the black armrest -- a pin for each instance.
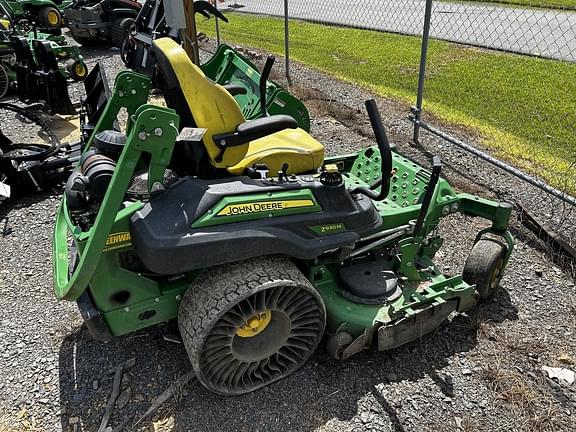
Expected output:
(253, 129)
(235, 89)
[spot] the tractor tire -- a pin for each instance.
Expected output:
(119, 31)
(77, 69)
(49, 16)
(484, 267)
(4, 81)
(248, 324)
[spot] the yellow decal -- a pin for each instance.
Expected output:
(117, 240)
(263, 206)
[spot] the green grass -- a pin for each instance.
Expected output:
(546, 4)
(523, 107)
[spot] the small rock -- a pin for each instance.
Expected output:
(95, 384)
(73, 420)
(124, 398)
(565, 358)
(563, 375)
(391, 376)
(466, 371)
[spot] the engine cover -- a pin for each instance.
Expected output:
(196, 223)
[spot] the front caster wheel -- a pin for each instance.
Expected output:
(484, 266)
(76, 69)
(248, 324)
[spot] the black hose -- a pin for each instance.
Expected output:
(385, 156)
(43, 151)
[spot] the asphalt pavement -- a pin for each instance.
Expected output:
(547, 33)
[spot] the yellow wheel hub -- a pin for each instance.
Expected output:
(494, 279)
(80, 70)
(53, 18)
(255, 324)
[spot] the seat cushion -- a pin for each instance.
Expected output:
(295, 147)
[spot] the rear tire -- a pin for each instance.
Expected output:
(248, 324)
(484, 267)
(4, 81)
(50, 17)
(119, 31)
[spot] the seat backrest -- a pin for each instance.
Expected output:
(205, 103)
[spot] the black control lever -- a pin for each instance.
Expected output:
(263, 80)
(430, 188)
(385, 156)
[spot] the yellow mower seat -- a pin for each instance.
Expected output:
(208, 105)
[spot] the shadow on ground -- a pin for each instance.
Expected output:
(322, 390)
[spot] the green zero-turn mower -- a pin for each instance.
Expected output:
(46, 13)
(254, 242)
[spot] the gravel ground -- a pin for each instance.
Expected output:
(479, 372)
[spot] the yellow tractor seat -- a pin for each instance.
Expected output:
(230, 141)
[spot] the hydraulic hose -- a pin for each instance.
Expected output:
(42, 151)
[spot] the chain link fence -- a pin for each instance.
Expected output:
(535, 27)
(507, 46)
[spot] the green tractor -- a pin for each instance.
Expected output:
(251, 239)
(45, 13)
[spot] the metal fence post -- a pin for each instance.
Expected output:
(217, 24)
(286, 43)
(417, 110)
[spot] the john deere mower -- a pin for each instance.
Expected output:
(251, 239)
(93, 22)
(46, 13)
(70, 61)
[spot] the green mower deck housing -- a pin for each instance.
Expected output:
(128, 269)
